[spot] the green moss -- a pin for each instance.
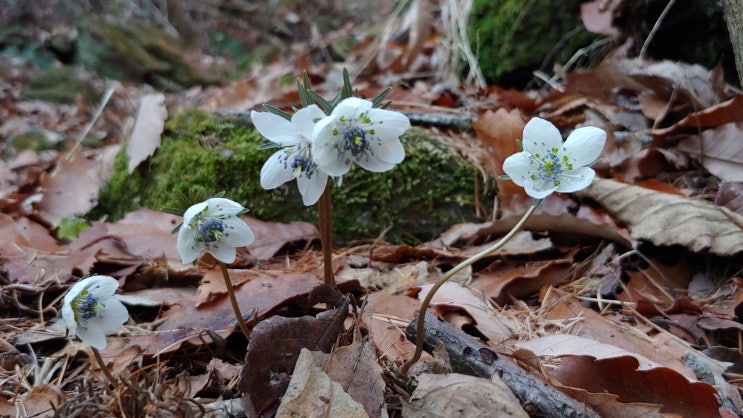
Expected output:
(431, 190)
(60, 85)
(512, 38)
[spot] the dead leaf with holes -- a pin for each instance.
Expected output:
(665, 219)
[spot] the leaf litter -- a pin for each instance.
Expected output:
(637, 279)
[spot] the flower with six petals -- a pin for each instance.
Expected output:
(356, 132)
(213, 226)
(294, 159)
(90, 309)
(546, 164)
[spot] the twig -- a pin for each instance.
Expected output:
(656, 26)
(471, 357)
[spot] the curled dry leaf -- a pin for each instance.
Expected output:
(720, 150)
(601, 368)
(147, 129)
(665, 219)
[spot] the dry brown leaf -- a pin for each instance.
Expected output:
(665, 219)
(273, 350)
(506, 283)
(597, 19)
(621, 376)
(38, 402)
(453, 296)
(720, 150)
(454, 395)
(712, 117)
(72, 188)
(602, 368)
(730, 195)
(147, 129)
(356, 369)
(270, 237)
(312, 393)
(498, 132)
(387, 316)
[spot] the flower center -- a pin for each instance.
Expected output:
(86, 306)
(354, 142)
(549, 167)
(210, 231)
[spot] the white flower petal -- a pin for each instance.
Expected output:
(305, 118)
(240, 234)
(113, 315)
(193, 211)
(68, 315)
(390, 151)
(187, 247)
(223, 253)
(311, 189)
(518, 168)
(395, 123)
(92, 335)
(275, 172)
(540, 135)
(584, 145)
(351, 107)
(375, 165)
(538, 193)
(275, 128)
(575, 180)
(102, 287)
(221, 206)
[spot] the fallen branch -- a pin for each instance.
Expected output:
(471, 357)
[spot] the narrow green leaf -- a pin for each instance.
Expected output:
(276, 111)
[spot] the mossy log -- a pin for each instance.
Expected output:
(432, 189)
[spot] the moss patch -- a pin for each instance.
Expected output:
(431, 190)
(512, 38)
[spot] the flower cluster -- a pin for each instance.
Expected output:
(90, 310)
(314, 146)
(546, 164)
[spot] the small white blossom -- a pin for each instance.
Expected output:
(213, 226)
(355, 132)
(90, 309)
(294, 159)
(546, 164)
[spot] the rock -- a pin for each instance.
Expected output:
(205, 154)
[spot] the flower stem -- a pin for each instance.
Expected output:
(325, 211)
(104, 368)
(420, 330)
(233, 300)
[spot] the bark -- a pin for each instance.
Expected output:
(734, 19)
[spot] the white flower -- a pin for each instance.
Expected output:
(294, 159)
(90, 309)
(547, 164)
(213, 226)
(357, 133)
